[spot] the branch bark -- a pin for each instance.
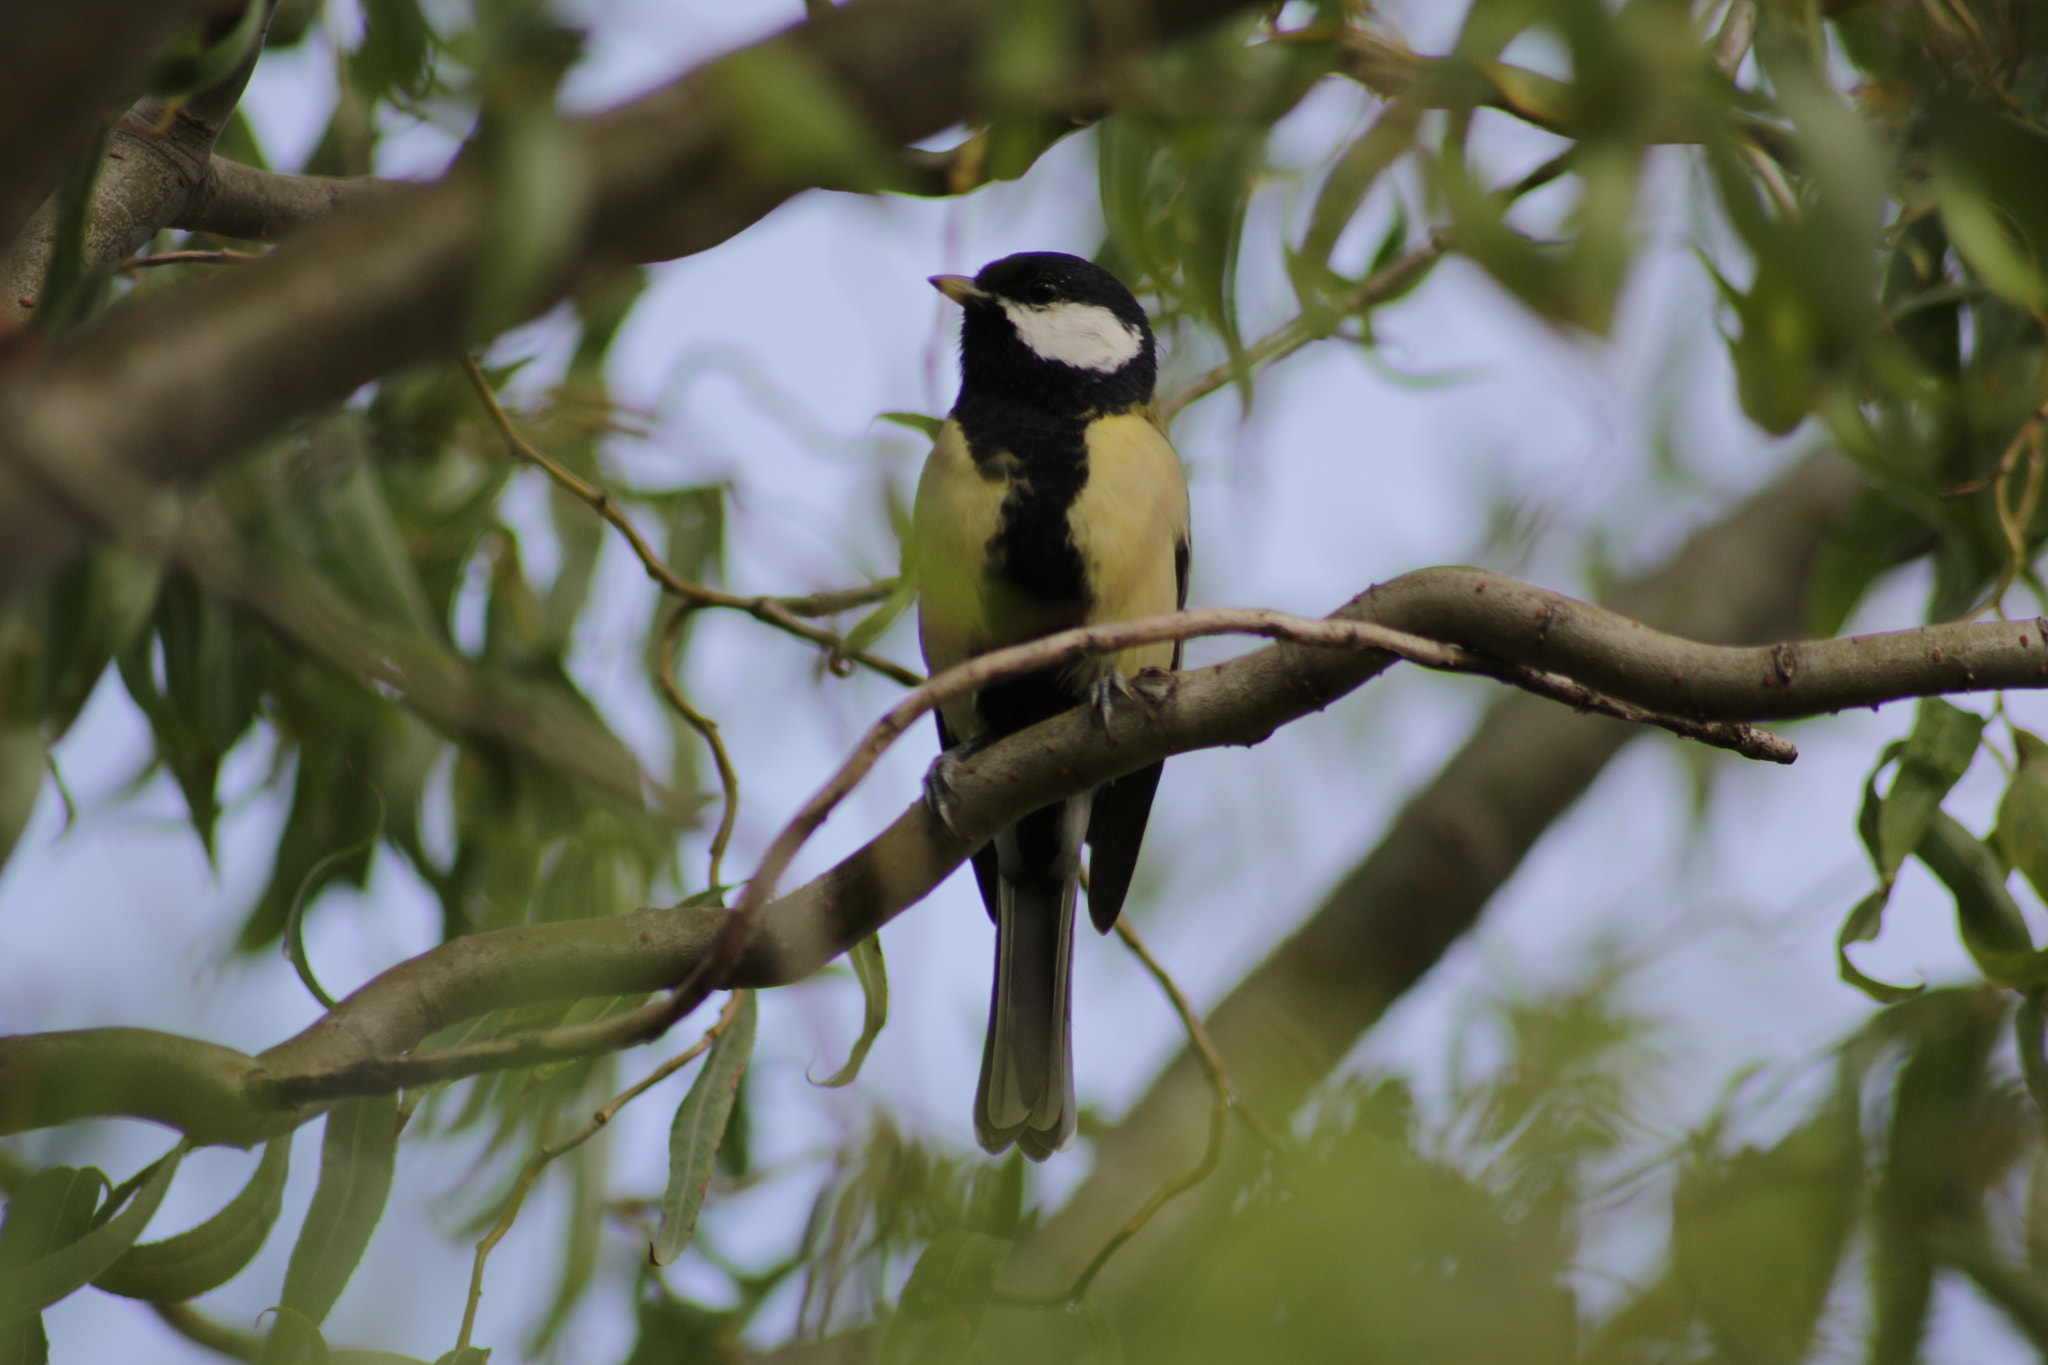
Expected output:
(178, 386)
(234, 200)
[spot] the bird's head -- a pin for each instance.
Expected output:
(1055, 330)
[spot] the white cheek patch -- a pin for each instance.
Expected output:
(1086, 336)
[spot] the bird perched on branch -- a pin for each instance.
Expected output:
(1051, 499)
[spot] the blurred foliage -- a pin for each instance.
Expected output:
(1875, 182)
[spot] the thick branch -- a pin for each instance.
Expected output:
(241, 201)
(176, 387)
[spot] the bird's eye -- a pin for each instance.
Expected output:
(1042, 291)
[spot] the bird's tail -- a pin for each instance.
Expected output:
(1027, 1062)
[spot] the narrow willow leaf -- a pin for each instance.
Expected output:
(35, 1286)
(208, 1256)
(916, 421)
(2022, 832)
(294, 1340)
(1936, 1110)
(1345, 188)
(1860, 927)
(1988, 919)
(23, 762)
(870, 628)
(2028, 1035)
(49, 1210)
(357, 1154)
(698, 1129)
(1937, 754)
(1758, 1237)
(944, 1299)
(866, 959)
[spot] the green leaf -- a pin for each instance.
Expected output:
(922, 423)
(396, 51)
(2022, 830)
(49, 1210)
(358, 1152)
(1929, 1154)
(1991, 180)
(944, 1299)
(23, 763)
(995, 1202)
(208, 1256)
(1861, 926)
(31, 1285)
(1877, 532)
(215, 667)
(866, 960)
(1986, 915)
(698, 1129)
(194, 64)
(1937, 754)
(294, 1340)
(1757, 1238)
(1345, 189)
(796, 123)
(2028, 1034)
(539, 196)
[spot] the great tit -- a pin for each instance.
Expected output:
(1051, 499)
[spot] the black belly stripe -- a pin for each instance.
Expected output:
(1045, 456)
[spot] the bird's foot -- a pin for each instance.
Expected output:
(1102, 698)
(939, 796)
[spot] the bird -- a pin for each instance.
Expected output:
(1052, 498)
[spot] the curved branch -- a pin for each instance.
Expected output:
(358, 1044)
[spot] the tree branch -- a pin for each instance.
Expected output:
(234, 200)
(178, 386)
(359, 1045)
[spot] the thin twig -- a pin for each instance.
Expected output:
(540, 1159)
(2012, 522)
(837, 600)
(1198, 1034)
(767, 610)
(728, 776)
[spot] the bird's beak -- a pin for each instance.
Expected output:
(958, 288)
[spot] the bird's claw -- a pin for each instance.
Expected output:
(1102, 697)
(938, 790)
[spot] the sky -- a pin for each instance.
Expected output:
(764, 363)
